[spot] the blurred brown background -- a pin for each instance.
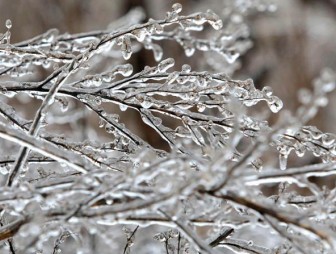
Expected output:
(291, 45)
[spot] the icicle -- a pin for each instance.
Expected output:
(283, 161)
(126, 47)
(158, 52)
(328, 139)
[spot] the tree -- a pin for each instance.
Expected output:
(70, 187)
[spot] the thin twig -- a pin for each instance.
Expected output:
(129, 239)
(221, 237)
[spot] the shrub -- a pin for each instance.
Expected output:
(74, 188)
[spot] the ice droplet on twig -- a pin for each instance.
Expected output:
(164, 65)
(126, 47)
(8, 24)
(177, 7)
(275, 104)
(231, 56)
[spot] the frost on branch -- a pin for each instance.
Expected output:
(102, 188)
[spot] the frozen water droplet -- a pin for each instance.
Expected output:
(203, 46)
(299, 149)
(140, 34)
(109, 129)
(123, 107)
(55, 66)
(216, 24)
(283, 161)
(98, 100)
(199, 19)
(214, 20)
(275, 104)
(189, 50)
(166, 64)
(272, 8)
(172, 77)
(158, 53)
(4, 170)
(157, 121)
(171, 16)
(231, 56)
(328, 139)
(8, 24)
(173, 233)
(125, 70)
(304, 96)
(186, 68)
(144, 101)
(313, 131)
(101, 123)
(126, 47)
(200, 107)
(257, 164)
(157, 28)
(177, 7)
(267, 91)
(321, 101)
